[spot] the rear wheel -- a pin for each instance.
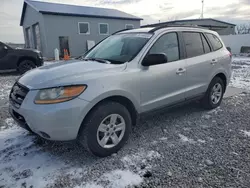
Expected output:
(106, 129)
(214, 94)
(25, 66)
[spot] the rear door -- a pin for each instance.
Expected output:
(221, 60)
(198, 60)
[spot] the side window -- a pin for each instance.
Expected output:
(215, 41)
(206, 46)
(193, 44)
(167, 44)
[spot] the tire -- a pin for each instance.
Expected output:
(209, 100)
(92, 133)
(25, 66)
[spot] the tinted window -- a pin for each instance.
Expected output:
(205, 44)
(193, 44)
(83, 28)
(167, 44)
(215, 41)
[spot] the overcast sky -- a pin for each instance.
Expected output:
(235, 11)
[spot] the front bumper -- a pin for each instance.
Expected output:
(39, 62)
(54, 121)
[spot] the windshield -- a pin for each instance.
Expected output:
(119, 48)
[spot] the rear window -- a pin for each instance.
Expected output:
(193, 43)
(215, 41)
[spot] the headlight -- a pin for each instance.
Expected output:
(39, 55)
(58, 94)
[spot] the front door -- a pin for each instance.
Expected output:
(164, 84)
(64, 45)
(4, 63)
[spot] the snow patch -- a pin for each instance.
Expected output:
(215, 111)
(186, 139)
(246, 133)
(10, 122)
(140, 157)
(163, 138)
(5, 90)
(122, 178)
(89, 185)
(241, 73)
(201, 141)
(21, 160)
(116, 179)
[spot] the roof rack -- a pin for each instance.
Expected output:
(120, 31)
(173, 25)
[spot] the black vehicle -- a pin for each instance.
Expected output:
(20, 60)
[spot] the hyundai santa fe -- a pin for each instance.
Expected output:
(98, 98)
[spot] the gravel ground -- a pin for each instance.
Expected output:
(181, 147)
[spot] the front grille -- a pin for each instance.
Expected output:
(18, 94)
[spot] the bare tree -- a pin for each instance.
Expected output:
(243, 29)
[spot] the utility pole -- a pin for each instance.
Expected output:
(202, 7)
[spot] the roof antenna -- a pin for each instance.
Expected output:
(202, 7)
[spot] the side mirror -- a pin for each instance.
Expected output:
(154, 59)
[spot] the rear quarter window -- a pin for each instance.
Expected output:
(215, 41)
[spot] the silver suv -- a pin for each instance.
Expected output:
(97, 99)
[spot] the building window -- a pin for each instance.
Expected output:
(83, 28)
(28, 37)
(37, 36)
(129, 26)
(103, 29)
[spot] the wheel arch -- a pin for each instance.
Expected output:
(25, 58)
(222, 75)
(125, 101)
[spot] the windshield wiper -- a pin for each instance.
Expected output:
(98, 60)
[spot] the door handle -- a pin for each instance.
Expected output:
(180, 71)
(214, 61)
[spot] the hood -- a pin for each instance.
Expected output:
(68, 73)
(25, 50)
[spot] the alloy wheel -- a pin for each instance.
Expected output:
(111, 131)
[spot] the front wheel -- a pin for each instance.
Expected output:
(25, 66)
(106, 129)
(214, 94)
